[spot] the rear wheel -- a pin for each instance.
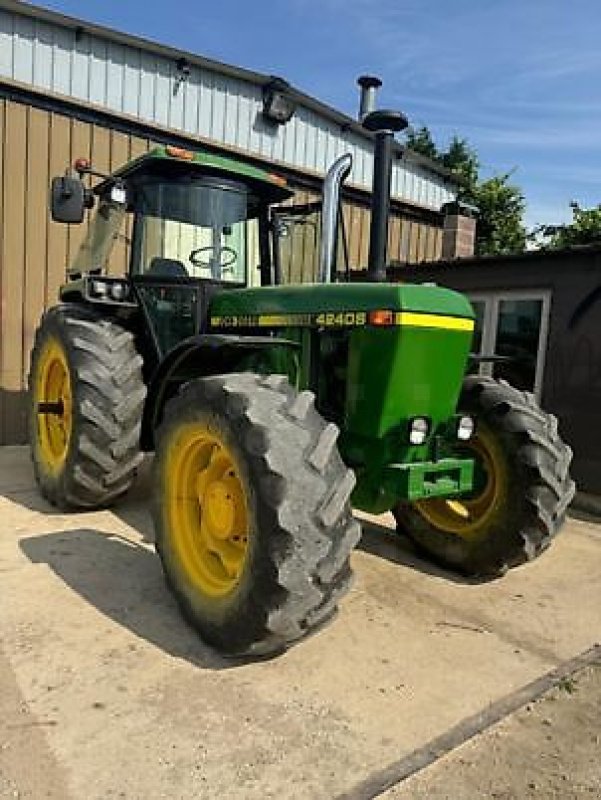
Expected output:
(252, 515)
(523, 487)
(86, 395)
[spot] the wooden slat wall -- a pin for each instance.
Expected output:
(409, 241)
(3, 302)
(57, 253)
(13, 266)
(36, 227)
(35, 145)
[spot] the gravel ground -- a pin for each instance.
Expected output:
(549, 749)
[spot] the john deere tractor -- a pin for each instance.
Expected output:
(272, 408)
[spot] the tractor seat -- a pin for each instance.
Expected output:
(167, 267)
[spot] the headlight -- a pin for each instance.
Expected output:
(119, 291)
(98, 288)
(419, 427)
(465, 428)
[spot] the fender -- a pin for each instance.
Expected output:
(198, 356)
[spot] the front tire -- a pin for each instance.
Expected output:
(522, 501)
(252, 515)
(86, 396)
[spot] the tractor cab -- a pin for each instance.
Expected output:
(200, 225)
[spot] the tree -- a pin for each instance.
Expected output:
(500, 210)
(585, 228)
(463, 162)
(420, 141)
(500, 204)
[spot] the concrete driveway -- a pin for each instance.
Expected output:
(106, 693)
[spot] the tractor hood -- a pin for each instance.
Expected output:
(342, 305)
(408, 346)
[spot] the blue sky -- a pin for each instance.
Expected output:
(520, 79)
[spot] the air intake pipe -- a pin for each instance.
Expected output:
(384, 124)
(330, 210)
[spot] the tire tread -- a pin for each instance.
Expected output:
(108, 397)
(304, 489)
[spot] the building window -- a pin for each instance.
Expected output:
(512, 325)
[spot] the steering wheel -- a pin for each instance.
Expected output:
(231, 256)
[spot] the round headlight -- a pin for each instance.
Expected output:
(418, 430)
(465, 428)
(118, 291)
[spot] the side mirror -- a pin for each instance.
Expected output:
(68, 199)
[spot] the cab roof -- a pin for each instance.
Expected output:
(169, 161)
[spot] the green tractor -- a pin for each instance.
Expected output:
(272, 408)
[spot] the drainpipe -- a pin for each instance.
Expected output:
(384, 124)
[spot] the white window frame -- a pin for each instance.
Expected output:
(490, 322)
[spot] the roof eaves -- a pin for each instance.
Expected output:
(128, 39)
(349, 124)
(492, 261)
(345, 122)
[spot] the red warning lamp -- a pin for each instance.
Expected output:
(381, 317)
(179, 152)
(82, 165)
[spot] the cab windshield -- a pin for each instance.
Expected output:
(194, 229)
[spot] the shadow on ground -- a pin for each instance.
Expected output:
(124, 581)
(385, 543)
(133, 509)
(584, 515)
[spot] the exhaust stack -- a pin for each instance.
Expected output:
(334, 179)
(369, 85)
(384, 124)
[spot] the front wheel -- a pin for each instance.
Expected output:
(252, 516)
(523, 487)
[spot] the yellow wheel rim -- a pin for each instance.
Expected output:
(53, 405)
(207, 509)
(468, 517)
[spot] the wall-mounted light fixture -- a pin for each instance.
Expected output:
(182, 73)
(278, 104)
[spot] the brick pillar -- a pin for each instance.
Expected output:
(459, 232)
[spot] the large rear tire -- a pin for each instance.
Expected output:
(524, 493)
(86, 396)
(252, 515)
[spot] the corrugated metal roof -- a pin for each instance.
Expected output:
(220, 102)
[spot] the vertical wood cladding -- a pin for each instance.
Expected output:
(35, 145)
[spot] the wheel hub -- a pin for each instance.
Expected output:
(208, 510)
(54, 405)
(218, 507)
